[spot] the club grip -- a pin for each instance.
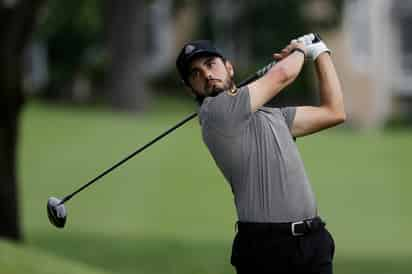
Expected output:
(257, 74)
(265, 69)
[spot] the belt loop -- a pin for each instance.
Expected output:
(308, 224)
(236, 226)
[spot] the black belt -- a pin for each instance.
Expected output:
(299, 228)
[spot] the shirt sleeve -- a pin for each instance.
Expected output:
(288, 114)
(227, 112)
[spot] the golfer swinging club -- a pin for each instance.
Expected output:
(279, 229)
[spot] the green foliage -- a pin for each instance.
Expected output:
(269, 25)
(84, 17)
(73, 31)
(269, 28)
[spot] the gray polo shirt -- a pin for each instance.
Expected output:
(257, 155)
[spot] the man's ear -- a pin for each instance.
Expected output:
(229, 68)
(190, 91)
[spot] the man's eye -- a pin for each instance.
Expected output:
(194, 74)
(210, 64)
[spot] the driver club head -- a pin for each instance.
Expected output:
(57, 212)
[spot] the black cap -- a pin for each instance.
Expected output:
(192, 50)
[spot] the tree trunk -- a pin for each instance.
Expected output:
(9, 214)
(16, 26)
(125, 26)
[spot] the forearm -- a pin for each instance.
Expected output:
(311, 119)
(330, 91)
(277, 78)
(292, 66)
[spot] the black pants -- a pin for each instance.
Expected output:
(270, 253)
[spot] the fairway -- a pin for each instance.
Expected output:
(169, 210)
(18, 259)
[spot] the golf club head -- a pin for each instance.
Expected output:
(57, 213)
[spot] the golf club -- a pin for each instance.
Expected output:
(56, 210)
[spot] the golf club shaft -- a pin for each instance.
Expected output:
(250, 79)
(68, 197)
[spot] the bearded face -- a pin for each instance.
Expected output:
(209, 76)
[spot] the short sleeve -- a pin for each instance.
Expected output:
(227, 112)
(288, 114)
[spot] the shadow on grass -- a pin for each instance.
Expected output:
(145, 255)
(172, 256)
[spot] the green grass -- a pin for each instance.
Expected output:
(169, 210)
(16, 259)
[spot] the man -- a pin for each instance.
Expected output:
(279, 230)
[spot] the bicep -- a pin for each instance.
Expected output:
(309, 119)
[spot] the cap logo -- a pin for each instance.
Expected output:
(189, 49)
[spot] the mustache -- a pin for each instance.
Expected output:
(214, 79)
(209, 81)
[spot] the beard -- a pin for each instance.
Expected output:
(215, 86)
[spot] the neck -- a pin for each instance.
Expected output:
(200, 99)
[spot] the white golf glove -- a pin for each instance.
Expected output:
(314, 45)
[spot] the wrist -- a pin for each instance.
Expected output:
(320, 53)
(317, 49)
(299, 50)
(323, 57)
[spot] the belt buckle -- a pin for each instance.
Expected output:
(293, 229)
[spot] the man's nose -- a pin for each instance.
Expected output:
(207, 74)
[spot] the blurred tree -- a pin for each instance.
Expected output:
(16, 26)
(101, 44)
(125, 23)
(73, 33)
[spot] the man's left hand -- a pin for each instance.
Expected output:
(294, 44)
